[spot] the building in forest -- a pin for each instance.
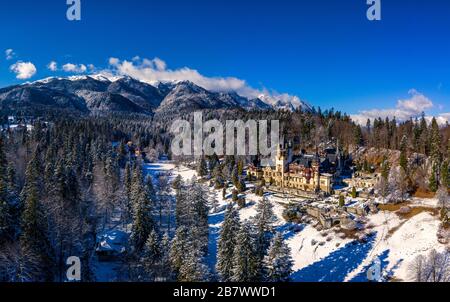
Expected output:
(302, 173)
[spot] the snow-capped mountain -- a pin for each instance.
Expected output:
(104, 93)
(186, 96)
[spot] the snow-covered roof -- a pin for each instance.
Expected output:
(112, 241)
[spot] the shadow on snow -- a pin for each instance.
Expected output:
(336, 266)
(289, 230)
(383, 257)
(214, 221)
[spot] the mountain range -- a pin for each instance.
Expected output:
(101, 94)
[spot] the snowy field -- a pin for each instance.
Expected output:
(325, 256)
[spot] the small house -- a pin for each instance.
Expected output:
(111, 245)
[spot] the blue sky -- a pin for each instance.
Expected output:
(325, 52)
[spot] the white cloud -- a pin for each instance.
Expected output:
(69, 67)
(405, 109)
(155, 70)
(115, 61)
(10, 54)
(442, 118)
(91, 67)
(23, 70)
(53, 66)
(416, 104)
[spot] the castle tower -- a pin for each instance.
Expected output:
(281, 160)
(290, 152)
(338, 159)
(316, 171)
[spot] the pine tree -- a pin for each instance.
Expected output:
(127, 180)
(3, 161)
(445, 175)
(178, 249)
(265, 217)
(143, 223)
(218, 178)
(151, 255)
(235, 195)
(6, 221)
(224, 193)
(164, 263)
(34, 238)
(214, 162)
(403, 154)
(435, 141)
(181, 209)
(264, 220)
(423, 141)
(112, 172)
(177, 183)
(358, 137)
(341, 201)
(193, 268)
(235, 177)
(149, 188)
(368, 126)
(433, 181)
(241, 186)
(202, 169)
(226, 244)
(240, 168)
(136, 187)
(12, 180)
(65, 225)
(436, 157)
(73, 188)
(198, 215)
(278, 261)
(245, 261)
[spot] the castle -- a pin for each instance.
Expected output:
(312, 173)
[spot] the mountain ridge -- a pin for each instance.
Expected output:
(109, 94)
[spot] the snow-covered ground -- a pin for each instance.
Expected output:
(327, 255)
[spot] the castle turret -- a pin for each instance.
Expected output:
(339, 165)
(281, 161)
(316, 171)
(290, 152)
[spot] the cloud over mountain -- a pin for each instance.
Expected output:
(69, 67)
(155, 70)
(23, 70)
(404, 110)
(52, 66)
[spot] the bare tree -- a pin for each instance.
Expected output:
(417, 268)
(382, 187)
(433, 268)
(442, 197)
